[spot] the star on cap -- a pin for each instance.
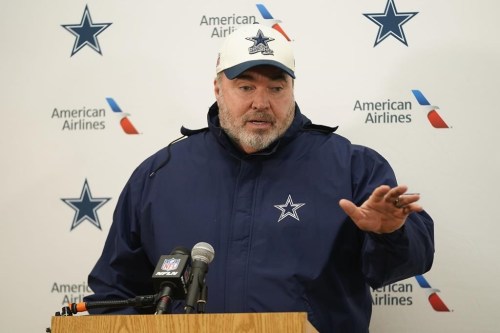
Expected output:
(260, 43)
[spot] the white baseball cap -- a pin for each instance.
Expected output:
(253, 45)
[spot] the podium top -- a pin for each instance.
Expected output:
(289, 322)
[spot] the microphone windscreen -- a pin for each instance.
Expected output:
(203, 252)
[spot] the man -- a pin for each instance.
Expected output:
(300, 218)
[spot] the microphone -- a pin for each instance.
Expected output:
(202, 301)
(138, 301)
(201, 255)
(170, 278)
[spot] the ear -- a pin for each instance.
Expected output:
(216, 89)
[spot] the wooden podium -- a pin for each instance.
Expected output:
(289, 322)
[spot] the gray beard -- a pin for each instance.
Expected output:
(257, 141)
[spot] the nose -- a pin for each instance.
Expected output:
(260, 99)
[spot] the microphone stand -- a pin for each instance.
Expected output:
(164, 299)
(161, 300)
(138, 301)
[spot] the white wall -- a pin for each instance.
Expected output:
(158, 64)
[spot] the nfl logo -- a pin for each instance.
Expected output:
(170, 264)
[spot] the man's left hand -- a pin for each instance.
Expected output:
(385, 210)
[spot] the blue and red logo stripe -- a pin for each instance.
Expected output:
(275, 23)
(432, 294)
(125, 123)
(433, 116)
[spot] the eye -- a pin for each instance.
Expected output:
(245, 88)
(276, 89)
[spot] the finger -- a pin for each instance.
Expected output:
(350, 209)
(406, 199)
(412, 208)
(380, 193)
(394, 195)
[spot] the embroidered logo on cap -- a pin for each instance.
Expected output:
(260, 44)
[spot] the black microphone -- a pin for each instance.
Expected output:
(170, 278)
(202, 300)
(137, 302)
(201, 255)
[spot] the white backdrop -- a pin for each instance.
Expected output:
(156, 59)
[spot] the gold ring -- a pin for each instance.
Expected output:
(396, 203)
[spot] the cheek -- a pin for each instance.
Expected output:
(236, 107)
(286, 110)
(229, 114)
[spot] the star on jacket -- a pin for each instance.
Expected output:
(289, 209)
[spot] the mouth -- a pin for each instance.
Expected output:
(260, 124)
(260, 118)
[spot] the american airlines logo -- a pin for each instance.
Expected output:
(402, 294)
(91, 118)
(432, 295)
(400, 111)
(222, 26)
(125, 122)
(270, 20)
(432, 115)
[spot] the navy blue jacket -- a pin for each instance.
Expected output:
(282, 242)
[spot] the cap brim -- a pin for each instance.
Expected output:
(235, 71)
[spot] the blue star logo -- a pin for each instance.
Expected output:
(86, 32)
(260, 44)
(391, 23)
(86, 207)
(289, 209)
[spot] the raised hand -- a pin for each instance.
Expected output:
(385, 210)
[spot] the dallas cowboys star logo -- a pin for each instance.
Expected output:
(86, 207)
(86, 32)
(260, 44)
(391, 23)
(289, 209)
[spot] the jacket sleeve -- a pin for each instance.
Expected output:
(123, 271)
(407, 252)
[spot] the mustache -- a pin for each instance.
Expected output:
(259, 116)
